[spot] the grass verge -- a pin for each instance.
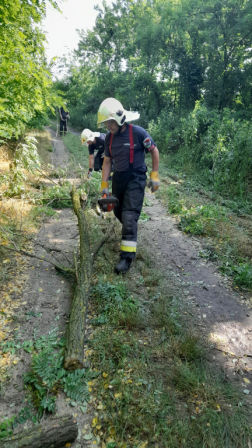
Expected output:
(226, 225)
(155, 386)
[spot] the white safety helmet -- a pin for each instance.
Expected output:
(88, 135)
(112, 109)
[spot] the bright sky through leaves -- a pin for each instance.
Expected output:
(60, 28)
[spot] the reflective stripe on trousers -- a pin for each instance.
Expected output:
(128, 246)
(128, 187)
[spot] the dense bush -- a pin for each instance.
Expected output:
(80, 120)
(39, 120)
(166, 130)
(211, 144)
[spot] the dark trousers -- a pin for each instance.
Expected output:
(63, 126)
(128, 187)
(98, 161)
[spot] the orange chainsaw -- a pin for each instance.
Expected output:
(107, 203)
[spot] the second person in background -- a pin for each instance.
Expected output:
(95, 142)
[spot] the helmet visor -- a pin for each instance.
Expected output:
(102, 118)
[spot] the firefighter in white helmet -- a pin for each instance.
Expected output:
(95, 142)
(127, 145)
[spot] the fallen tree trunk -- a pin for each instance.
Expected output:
(74, 352)
(53, 433)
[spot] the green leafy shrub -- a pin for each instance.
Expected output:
(57, 196)
(175, 205)
(6, 427)
(47, 374)
(217, 148)
(25, 158)
(38, 121)
(241, 273)
(166, 130)
(144, 217)
(190, 223)
(201, 219)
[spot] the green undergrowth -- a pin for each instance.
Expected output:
(58, 196)
(212, 147)
(156, 387)
(46, 378)
(205, 214)
(9, 424)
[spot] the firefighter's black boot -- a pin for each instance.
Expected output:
(123, 265)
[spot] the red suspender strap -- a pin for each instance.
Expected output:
(110, 144)
(131, 144)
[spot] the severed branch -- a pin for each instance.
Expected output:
(59, 199)
(50, 249)
(60, 266)
(47, 248)
(248, 355)
(12, 242)
(44, 175)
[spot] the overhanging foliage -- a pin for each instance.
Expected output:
(25, 78)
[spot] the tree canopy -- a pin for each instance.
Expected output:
(25, 78)
(155, 55)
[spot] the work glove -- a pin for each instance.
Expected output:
(154, 181)
(104, 189)
(90, 173)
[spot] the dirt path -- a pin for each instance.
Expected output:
(217, 310)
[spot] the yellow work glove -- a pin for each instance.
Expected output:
(104, 189)
(154, 181)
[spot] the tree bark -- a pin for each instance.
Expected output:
(74, 352)
(53, 433)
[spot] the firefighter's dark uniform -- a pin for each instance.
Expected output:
(129, 181)
(63, 121)
(99, 146)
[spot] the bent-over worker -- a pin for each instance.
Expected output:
(94, 141)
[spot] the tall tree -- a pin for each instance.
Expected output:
(155, 55)
(25, 78)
